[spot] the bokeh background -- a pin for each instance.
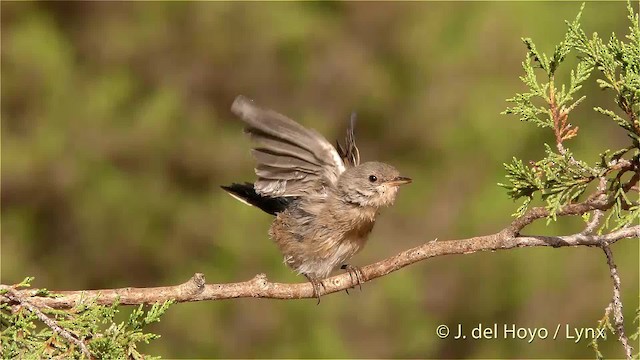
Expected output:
(116, 133)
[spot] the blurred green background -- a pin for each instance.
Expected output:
(116, 133)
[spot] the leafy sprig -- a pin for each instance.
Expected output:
(22, 334)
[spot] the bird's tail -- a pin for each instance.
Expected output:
(248, 195)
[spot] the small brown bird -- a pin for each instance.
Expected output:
(324, 200)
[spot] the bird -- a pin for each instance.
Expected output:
(325, 201)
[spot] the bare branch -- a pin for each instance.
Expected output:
(15, 296)
(260, 287)
(595, 201)
(617, 302)
(597, 214)
(632, 182)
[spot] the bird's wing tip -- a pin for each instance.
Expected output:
(240, 104)
(234, 194)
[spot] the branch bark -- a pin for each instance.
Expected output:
(618, 317)
(195, 289)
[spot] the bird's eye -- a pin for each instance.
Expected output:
(373, 178)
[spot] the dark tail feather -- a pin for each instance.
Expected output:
(247, 194)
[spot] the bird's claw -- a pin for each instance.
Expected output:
(354, 272)
(317, 284)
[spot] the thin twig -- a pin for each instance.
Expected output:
(593, 202)
(597, 214)
(618, 317)
(15, 296)
(594, 222)
(632, 182)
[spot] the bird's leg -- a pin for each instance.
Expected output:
(354, 272)
(316, 283)
(350, 277)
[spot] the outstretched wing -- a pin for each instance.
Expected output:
(292, 160)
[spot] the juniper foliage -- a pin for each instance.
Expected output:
(558, 178)
(23, 336)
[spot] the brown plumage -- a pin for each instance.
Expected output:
(324, 200)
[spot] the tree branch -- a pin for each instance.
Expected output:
(617, 302)
(195, 288)
(595, 202)
(260, 287)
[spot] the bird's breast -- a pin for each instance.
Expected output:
(360, 230)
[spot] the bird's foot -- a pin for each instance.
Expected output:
(317, 284)
(354, 273)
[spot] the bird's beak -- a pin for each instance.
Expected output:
(400, 180)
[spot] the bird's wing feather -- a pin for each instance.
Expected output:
(291, 160)
(350, 153)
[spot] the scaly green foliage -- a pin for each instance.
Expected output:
(559, 178)
(24, 336)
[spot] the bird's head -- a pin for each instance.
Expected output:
(372, 184)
